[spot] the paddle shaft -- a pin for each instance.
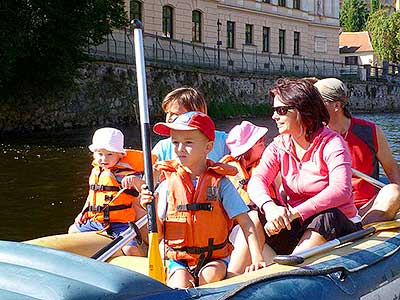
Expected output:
(156, 268)
(369, 179)
(298, 258)
(107, 251)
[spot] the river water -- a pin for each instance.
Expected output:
(43, 184)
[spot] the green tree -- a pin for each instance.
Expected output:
(375, 5)
(353, 15)
(385, 31)
(43, 42)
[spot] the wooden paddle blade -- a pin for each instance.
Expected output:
(384, 225)
(156, 267)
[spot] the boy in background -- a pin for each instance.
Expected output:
(177, 102)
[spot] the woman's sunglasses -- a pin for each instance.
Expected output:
(282, 110)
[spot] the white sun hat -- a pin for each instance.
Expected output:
(108, 138)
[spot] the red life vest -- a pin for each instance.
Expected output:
(241, 179)
(104, 186)
(362, 142)
(196, 224)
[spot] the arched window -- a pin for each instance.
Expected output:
(196, 26)
(135, 10)
(167, 18)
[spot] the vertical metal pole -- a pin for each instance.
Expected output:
(219, 43)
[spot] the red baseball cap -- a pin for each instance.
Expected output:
(192, 120)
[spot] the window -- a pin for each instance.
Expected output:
(135, 10)
(282, 2)
(296, 43)
(230, 33)
(266, 39)
(167, 21)
(248, 34)
(282, 41)
(296, 4)
(196, 26)
(266, 1)
(351, 60)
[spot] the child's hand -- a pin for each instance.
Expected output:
(146, 196)
(256, 266)
(132, 182)
(81, 218)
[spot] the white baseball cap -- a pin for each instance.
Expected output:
(108, 138)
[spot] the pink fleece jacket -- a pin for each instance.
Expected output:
(319, 181)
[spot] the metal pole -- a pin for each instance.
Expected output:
(219, 43)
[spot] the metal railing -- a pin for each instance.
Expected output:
(169, 52)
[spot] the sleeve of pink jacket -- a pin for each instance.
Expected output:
(338, 192)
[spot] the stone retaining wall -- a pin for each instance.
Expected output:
(107, 95)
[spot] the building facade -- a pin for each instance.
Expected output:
(298, 28)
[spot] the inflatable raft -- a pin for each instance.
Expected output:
(368, 268)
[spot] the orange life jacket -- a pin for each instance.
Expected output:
(104, 186)
(196, 225)
(241, 179)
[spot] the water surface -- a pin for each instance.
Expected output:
(43, 183)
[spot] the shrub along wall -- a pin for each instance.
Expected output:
(106, 94)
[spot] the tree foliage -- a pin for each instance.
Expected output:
(385, 31)
(353, 15)
(43, 42)
(375, 5)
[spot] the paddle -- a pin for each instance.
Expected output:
(107, 251)
(369, 179)
(298, 258)
(156, 268)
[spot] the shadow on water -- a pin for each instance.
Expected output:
(43, 183)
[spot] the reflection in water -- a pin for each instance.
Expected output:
(43, 183)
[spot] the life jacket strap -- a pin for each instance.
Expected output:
(195, 206)
(105, 188)
(99, 208)
(201, 250)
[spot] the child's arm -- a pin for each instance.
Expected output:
(82, 216)
(132, 182)
(249, 230)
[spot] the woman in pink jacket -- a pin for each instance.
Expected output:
(315, 168)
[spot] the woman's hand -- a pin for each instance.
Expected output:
(278, 218)
(255, 266)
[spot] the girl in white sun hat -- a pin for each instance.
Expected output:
(246, 143)
(113, 188)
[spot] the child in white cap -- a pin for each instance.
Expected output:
(113, 188)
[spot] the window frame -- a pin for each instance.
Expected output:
(266, 33)
(196, 26)
(249, 33)
(282, 41)
(296, 43)
(138, 13)
(167, 27)
(296, 4)
(230, 34)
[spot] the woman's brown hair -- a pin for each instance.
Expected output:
(302, 95)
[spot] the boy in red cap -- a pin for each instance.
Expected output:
(196, 206)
